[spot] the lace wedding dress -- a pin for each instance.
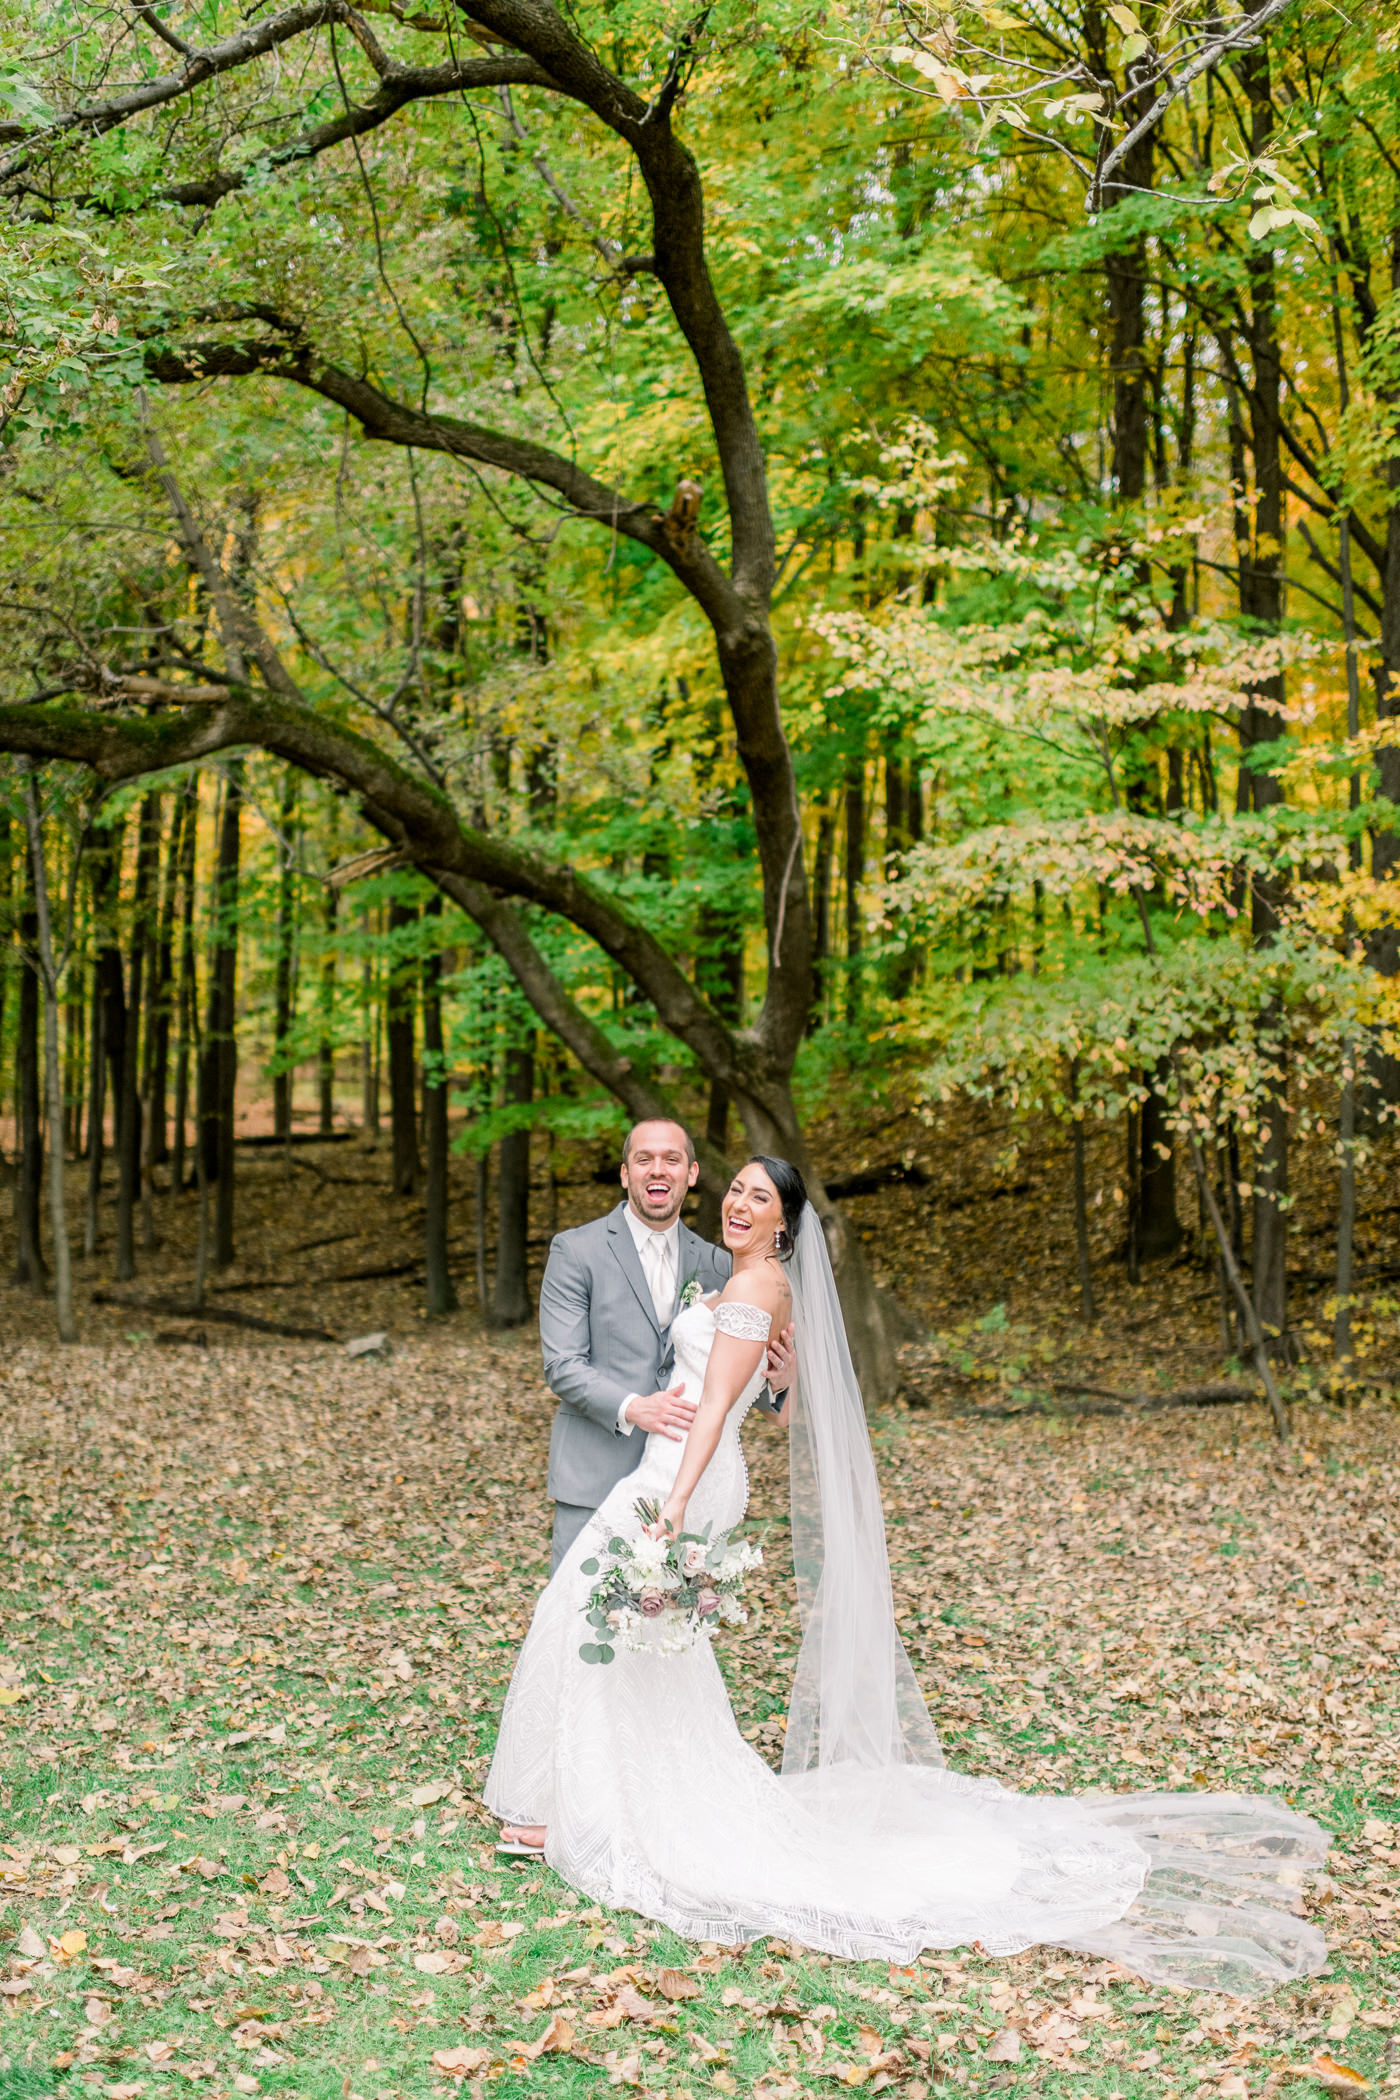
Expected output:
(653, 1802)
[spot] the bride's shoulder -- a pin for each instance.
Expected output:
(751, 1293)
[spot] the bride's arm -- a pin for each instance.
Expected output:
(733, 1361)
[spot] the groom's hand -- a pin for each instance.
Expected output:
(666, 1411)
(782, 1361)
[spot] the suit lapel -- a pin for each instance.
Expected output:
(630, 1262)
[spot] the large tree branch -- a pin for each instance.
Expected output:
(396, 423)
(398, 86)
(507, 932)
(481, 871)
(255, 41)
(744, 639)
(677, 203)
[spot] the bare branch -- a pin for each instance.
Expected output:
(146, 11)
(1243, 37)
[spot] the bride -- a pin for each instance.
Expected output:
(635, 1780)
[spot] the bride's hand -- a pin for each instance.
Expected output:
(670, 1524)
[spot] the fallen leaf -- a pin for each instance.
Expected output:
(431, 1964)
(557, 2039)
(30, 1946)
(1337, 2078)
(74, 1941)
(161, 2052)
(675, 1985)
(1004, 2048)
(425, 1796)
(460, 2063)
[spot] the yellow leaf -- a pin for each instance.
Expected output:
(10, 1693)
(1337, 2078)
(74, 1941)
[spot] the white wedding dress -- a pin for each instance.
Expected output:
(653, 1802)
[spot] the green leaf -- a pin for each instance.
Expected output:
(590, 1652)
(589, 1567)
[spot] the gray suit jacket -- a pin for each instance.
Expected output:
(602, 1340)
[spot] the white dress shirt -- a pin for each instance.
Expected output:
(659, 1254)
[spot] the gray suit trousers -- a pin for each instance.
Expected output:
(569, 1520)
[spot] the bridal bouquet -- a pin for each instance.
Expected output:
(664, 1595)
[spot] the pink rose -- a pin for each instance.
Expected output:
(694, 1559)
(652, 1604)
(707, 1602)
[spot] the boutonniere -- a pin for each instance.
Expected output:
(691, 1292)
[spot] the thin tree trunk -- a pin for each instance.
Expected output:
(285, 975)
(187, 998)
(482, 1192)
(325, 1048)
(30, 1268)
(854, 872)
(50, 969)
(1087, 1309)
(823, 861)
(403, 1089)
(97, 1108)
(106, 908)
(369, 1040)
(510, 1297)
(1159, 1228)
(1346, 1223)
(225, 1048)
(441, 1294)
(129, 1082)
(74, 1059)
(157, 1123)
(1134, 1181)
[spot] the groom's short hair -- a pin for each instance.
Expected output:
(689, 1140)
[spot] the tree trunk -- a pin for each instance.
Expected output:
(823, 862)
(369, 1040)
(325, 1048)
(219, 1072)
(441, 1294)
(158, 1131)
(1159, 1228)
(403, 1089)
(50, 969)
(510, 1296)
(30, 1269)
(285, 974)
(129, 1078)
(854, 876)
(187, 995)
(1261, 595)
(97, 1105)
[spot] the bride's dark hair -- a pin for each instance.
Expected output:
(792, 1194)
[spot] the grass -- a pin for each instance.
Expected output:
(260, 1610)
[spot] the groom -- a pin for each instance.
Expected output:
(610, 1292)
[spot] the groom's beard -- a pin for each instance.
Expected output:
(657, 1220)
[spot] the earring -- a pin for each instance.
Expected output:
(782, 1245)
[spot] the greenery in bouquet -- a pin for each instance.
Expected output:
(663, 1595)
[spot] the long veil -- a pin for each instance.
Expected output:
(855, 1700)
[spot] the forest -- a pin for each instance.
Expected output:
(827, 571)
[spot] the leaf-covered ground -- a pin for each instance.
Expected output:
(259, 1611)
